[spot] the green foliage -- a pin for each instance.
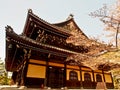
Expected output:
(116, 78)
(4, 80)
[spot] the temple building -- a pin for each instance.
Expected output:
(38, 57)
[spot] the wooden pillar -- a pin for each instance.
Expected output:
(22, 76)
(81, 84)
(14, 77)
(112, 79)
(25, 72)
(26, 63)
(103, 76)
(65, 70)
(93, 76)
(93, 85)
(46, 75)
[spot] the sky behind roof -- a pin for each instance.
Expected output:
(14, 13)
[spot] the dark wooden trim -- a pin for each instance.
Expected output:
(22, 75)
(86, 71)
(98, 72)
(46, 77)
(103, 76)
(36, 64)
(25, 70)
(33, 28)
(14, 76)
(73, 84)
(73, 69)
(34, 82)
(65, 70)
(26, 25)
(81, 84)
(112, 79)
(13, 59)
(94, 82)
(93, 76)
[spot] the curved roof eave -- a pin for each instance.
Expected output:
(31, 14)
(25, 40)
(67, 21)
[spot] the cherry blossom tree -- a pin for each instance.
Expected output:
(99, 54)
(111, 18)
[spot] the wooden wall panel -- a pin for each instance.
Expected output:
(36, 71)
(108, 78)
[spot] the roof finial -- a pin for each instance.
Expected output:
(30, 10)
(9, 28)
(70, 16)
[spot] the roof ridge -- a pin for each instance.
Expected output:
(44, 21)
(70, 17)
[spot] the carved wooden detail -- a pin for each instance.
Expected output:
(52, 39)
(40, 36)
(70, 26)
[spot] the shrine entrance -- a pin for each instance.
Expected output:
(56, 77)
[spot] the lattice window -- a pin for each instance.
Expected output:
(87, 77)
(98, 78)
(73, 75)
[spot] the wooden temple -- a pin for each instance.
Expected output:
(38, 57)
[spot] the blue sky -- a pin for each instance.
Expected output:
(14, 13)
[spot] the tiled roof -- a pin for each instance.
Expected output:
(60, 29)
(20, 38)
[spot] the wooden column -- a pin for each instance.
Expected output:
(26, 63)
(22, 76)
(93, 85)
(25, 71)
(93, 76)
(81, 84)
(46, 75)
(103, 76)
(112, 79)
(65, 68)
(14, 77)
